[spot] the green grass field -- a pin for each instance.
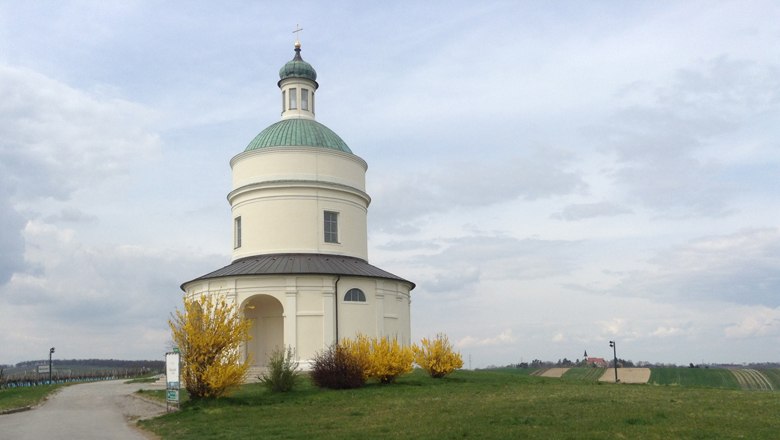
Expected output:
(513, 371)
(481, 404)
(12, 398)
(696, 377)
(774, 377)
(160, 395)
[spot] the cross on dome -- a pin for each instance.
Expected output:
(298, 28)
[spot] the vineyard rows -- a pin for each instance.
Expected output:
(750, 379)
(733, 378)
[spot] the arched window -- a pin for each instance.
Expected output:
(355, 295)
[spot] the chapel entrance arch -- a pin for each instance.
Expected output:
(267, 331)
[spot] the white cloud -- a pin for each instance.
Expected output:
(91, 301)
(755, 322)
(11, 241)
(471, 258)
(740, 268)
(580, 211)
(484, 181)
(446, 281)
(613, 327)
(665, 332)
(504, 338)
(58, 140)
(670, 147)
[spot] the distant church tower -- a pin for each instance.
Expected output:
(300, 268)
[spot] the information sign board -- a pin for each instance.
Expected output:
(172, 396)
(172, 370)
(172, 379)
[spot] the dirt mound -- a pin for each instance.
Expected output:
(626, 375)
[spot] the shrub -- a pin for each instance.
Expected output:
(360, 349)
(209, 334)
(335, 368)
(436, 356)
(388, 359)
(282, 371)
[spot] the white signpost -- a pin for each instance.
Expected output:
(172, 378)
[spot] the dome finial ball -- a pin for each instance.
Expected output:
(297, 30)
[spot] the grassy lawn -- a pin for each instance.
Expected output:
(159, 395)
(479, 404)
(11, 398)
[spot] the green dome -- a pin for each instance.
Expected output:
(297, 68)
(298, 132)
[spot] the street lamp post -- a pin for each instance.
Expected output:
(51, 352)
(614, 354)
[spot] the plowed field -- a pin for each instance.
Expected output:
(626, 375)
(554, 372)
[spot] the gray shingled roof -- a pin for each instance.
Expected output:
(300, 264)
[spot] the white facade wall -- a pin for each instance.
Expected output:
(281, 195)
(299, 310)
(298, 163)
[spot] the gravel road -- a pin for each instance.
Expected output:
(98, 410)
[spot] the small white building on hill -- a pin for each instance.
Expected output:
(300, 268)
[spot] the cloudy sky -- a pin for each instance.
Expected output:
(552, 175)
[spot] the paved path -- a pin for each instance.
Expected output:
(98, 410)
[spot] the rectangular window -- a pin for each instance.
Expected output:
(284, 99)
(237, 233)
(331, 227)
(293, 99)
(312, 101)
(304, 99)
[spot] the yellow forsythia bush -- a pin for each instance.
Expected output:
(209, 334)
(389, 359)
(381, 358)
(436, 356)
(359, 349)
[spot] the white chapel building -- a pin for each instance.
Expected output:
(300, 268)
